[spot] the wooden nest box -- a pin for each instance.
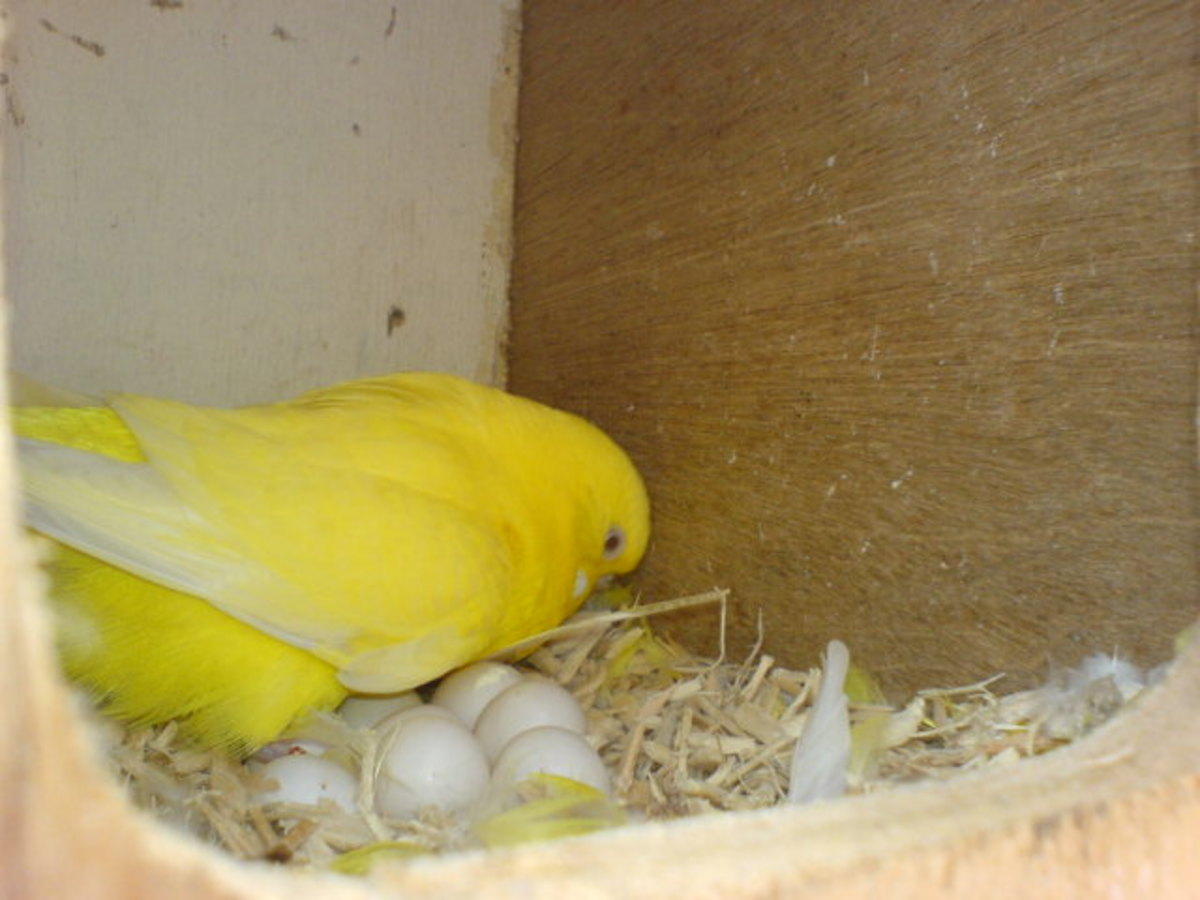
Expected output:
(894, 306)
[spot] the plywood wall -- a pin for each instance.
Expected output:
(893, 303)
(229, 202)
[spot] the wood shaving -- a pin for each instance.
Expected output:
(681, 735)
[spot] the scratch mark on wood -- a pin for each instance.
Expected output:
(93, 47)
(11, 108)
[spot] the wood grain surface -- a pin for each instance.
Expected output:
(230, 203)
(894, 304)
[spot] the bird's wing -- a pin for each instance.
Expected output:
(348, 564)
(121, 512)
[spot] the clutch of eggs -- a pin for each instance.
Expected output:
(487, 728)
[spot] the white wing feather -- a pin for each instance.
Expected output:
(822, 754)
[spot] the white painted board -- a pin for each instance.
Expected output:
(229, 201)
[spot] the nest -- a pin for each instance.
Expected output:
(681, 735)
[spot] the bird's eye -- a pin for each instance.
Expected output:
(614, 542)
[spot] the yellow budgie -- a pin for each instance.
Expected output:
(239, 568)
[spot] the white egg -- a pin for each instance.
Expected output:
(367, 712)
(532, 701)
(307, 778)
(554, 751)
(428, 758)
(467, 691)
(427, 710)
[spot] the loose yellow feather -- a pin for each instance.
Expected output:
(361, 860)
(556, 807)
(239, 568)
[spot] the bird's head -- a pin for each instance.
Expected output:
(613, 512)
(585, 500)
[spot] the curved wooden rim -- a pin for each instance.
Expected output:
(1121, 807)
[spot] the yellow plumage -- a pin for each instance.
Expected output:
(239, 568)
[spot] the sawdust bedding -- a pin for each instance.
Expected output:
(681, 736)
